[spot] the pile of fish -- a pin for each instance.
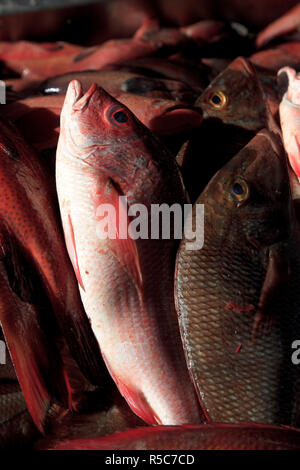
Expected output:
(125, 342)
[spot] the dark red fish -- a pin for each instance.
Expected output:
(246, 436)
(237, 296)
(32, 248)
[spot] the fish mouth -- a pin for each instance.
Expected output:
(179, 108)
(82, 100)
(286, 77)
(179, 118)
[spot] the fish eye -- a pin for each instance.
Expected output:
(239, 190)
(120, 117)
(218, 99)
(117, 115)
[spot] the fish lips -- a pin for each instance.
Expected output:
(82, 100)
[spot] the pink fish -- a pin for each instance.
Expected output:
(126, 284)
(289, 111)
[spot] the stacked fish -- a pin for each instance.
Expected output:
(199, 342)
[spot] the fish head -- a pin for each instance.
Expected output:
(251, 193)
(289, 82)
(235, 97)
(95, 119)
(105, 135)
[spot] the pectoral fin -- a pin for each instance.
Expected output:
(123, 246)
(277, 276)
(72, 250)
(294, 155)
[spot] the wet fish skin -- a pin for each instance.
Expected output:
(124, 303)
(243, 282)
(246, 436)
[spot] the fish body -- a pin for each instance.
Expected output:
(35, 272)
(246, 436)
(103, 153)
(289, 111)
(237, 297)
